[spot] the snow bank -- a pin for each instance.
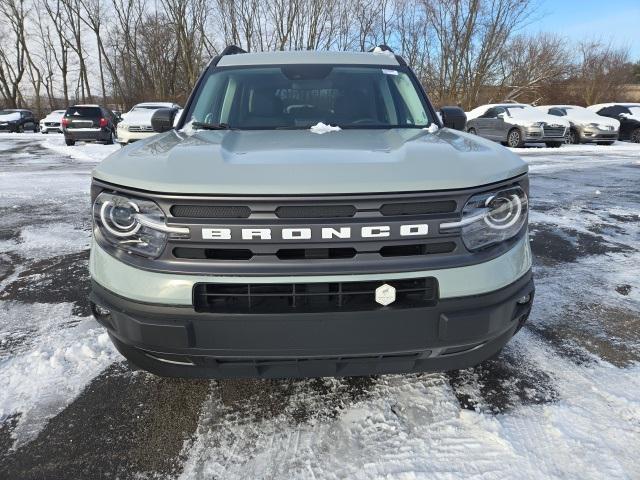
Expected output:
(49, 240)
(321, 128)
(87, 152)
(41, 379)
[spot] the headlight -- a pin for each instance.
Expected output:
(123, 126)
(492, 217)
(594, 125)
(132, 224)
(537, 124)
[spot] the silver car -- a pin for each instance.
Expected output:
(586, 126)
(515, 124)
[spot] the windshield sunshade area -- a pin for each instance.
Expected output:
(300, 96)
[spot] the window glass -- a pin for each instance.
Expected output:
(299, 96)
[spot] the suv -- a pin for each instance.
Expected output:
(628, 114)
(89, 123)
(17, 120)
(515, 124)
(136, 123)
(310, 215)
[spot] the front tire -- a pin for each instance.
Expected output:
(70, 143)
(514, 138)
(635, 136)
(553, 144)
(573, 137)
(472, 131)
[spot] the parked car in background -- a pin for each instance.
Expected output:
(628, 114)
(136, 123)
(586, 125)
(52, 122)
(515, 124)
(89, 123)
(17, 120)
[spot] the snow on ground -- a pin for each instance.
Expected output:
(562, 400)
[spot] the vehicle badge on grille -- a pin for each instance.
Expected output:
(385, 294)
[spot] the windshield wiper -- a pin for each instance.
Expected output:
(211, 126)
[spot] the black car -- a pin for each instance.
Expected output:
(17, 120)
(89, 123)
(628, 114)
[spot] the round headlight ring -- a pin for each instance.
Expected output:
(120, 230)
(513, 207)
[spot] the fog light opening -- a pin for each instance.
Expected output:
(524, 299)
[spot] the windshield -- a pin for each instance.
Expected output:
(635, 111)
(515, 108)
(139, 108)
(299, 96)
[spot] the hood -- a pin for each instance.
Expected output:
(290, 162)
(529, 116)
(142, 117)
(53, 117)
(10, 117)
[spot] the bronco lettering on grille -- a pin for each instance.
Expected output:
(304, 233)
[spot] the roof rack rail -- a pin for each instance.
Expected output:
(232, 50)
(381, 48)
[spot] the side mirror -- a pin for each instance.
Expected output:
(501, 115)
(162, 119)
(453, 117)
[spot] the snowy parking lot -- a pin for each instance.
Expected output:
(561, 401)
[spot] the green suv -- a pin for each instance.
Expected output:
(310, 214)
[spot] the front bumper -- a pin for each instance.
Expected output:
(176, 341)
(125, 136)
(10, 127)
(154, 324)
(597, 135)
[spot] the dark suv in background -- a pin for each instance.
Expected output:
(628, 114)
(89, 123)
(17, 120)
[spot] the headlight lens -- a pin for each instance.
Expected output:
(492, 217)
(124, 223)
(537, 124)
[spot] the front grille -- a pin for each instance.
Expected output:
(314, 211)
(258, 298)
(550, 131)
(140, 128)
(210, 211)
(418, 208)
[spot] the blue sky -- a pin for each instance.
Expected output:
(618, 20)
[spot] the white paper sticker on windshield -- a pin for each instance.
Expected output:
(389, 72)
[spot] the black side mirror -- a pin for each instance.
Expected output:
(453, 117)
(162, 119)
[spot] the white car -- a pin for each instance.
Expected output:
(52, 122)
(515, 124)
(136, 123)
(586, 125)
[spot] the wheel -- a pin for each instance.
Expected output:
(553, 144)
(573, 137)
(472, 131)
(111, 140)
(69, 142)
(19, 129)
(35, 129)
(606, 143)
(514, 138)
(635, 136)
